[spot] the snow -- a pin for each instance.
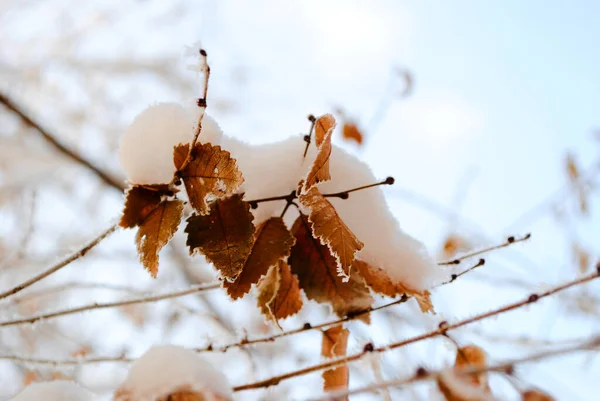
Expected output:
(165, 369)
(55, 391)
(275, 169)
(146, 148)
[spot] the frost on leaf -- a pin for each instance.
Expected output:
(224, 236)
(319, 170)
(279, 293)
(335, 342)
(272, 243)
(382, 283)
(139, 203)
(329, 227)
(351, 132)
(211, 174)
(316, 269)
(169, 373)
(156, 231)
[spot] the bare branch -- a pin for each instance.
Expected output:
(52, 139)
(96, 306)
(591, 344)
(445, 327)
(53, 269)
(509, 241)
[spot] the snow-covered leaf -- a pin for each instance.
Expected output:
(328, 227)
(316, 269)
(210, 174)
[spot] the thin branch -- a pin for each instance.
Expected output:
(96, 306)
(59, 362)
(503, 367)
(57, 144)
(53, 269)
(509, 241)
(308, 137)
(201, 102)
(444, 327)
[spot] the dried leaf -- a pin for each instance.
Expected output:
(319, 171)
(472, 356)
(572, 169)
(29, 377)
(380, 282)
(335, 342)
(156, 231)
(323, 126)
(351, 132)
(279, 293)
(211, 174)
(328, 226)
(582, 258)
(316, 269)
(224, 236)
(454, 244)
(273, 243)
(186, 395)
(536, 395)
(456, 388)
(139, 203)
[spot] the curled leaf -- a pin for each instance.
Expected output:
(211, 174)
(379, 281)
(156, 231)
(319, 171)
(279, 293)
(351, 132)
(224, 236)
(331, 230)
(273, 243)
(536, 395)
(334, 344)
(316, 269)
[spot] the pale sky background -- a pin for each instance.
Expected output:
(502, 91)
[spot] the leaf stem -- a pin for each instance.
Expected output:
(308, 137)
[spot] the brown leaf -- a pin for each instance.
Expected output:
(224, 236)
(319, 171)
(453, 244)
(186, 395)
(472, 356)
(273, 243)
(139, 203)
(279, 293)
(456, 388)
(156, 231)
(351, 132)
(572, 169)
(211, 173)
(316, 269)
(323, 125)
(536, 395)
(328, 227)
(335, 342)
(582, 258)
(380, 282)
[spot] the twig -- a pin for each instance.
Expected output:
(96, 305)
(423, 375)
(50, 138)
(201, 102)
(308, 137)
(58, 362)
(80, 253)
(444, 327)
(509, 241)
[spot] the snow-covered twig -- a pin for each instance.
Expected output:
(52, 139)
(444, 327)
(53, 269)
(107, 305)
(509, 241)
(423, 375)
